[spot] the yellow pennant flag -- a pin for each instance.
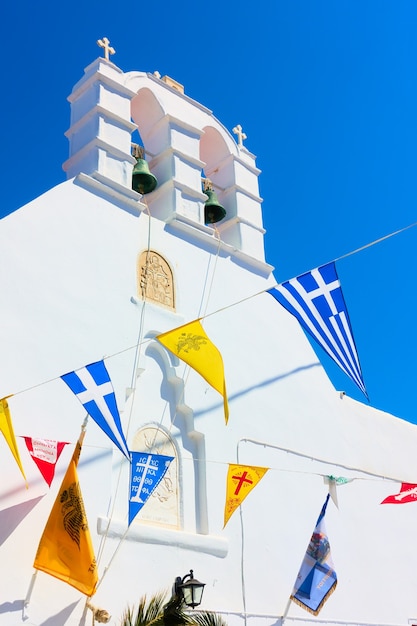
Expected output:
(6, 428)
(65, 549)
(241, 479)
(191, 344)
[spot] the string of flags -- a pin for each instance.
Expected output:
(65, 549)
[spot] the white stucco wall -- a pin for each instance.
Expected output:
(69, 298)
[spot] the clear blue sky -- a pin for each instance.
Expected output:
(326, 91)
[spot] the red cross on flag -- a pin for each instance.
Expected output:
(241, 479)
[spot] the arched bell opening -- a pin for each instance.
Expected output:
(145, 112)
(217, 175)
(143, 181)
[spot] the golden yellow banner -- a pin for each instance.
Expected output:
(65, 549)
(191, 344)
(241, 479)
(6, 428)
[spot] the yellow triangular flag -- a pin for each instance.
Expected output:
(241, 479)
(65, 549)
(6, 428)
(191, 344)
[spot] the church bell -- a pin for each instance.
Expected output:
(143, 181)
(213, 210)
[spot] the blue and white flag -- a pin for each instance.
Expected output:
(146, 472)
(316, 300)
(93, 388)
(316, 579)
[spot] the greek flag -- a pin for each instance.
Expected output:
(316, 300)
(93, 388)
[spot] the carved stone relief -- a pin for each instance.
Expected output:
(155, 279)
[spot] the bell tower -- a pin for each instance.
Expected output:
(196, 177)
(207, 182)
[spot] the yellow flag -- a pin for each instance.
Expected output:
(65, 549)
(241, 479)
(191, 344)
(6, 428)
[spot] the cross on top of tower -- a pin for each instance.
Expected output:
(240, 135)
(104, 43)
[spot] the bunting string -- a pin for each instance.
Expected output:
(316, 459)
(228, 306)
(202, 314)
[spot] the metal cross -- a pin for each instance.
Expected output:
(240, 134)
(104, 43)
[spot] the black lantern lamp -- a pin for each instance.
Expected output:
(189, 589)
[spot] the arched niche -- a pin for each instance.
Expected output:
(147, 112)
(215, 153)
(163, 506)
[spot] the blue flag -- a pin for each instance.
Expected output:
(316, 300)
(93, 388)
(147, 471)
(316, 579)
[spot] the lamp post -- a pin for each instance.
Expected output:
(189, 589)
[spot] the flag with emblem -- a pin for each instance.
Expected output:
(317, 578)
(93, 388)
(146, 472)
(6, 428)
(408, 493)
(316, 300)
(241, 479)
(191, 344)
(65, 550)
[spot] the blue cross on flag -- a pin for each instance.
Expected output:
(146, 472)
(93, 388)
(316, 300)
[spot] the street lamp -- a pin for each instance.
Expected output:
(189, 589)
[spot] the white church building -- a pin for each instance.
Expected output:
(96, 271)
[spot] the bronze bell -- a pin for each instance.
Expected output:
(143, 181)
(213, 210)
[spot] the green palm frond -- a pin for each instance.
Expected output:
(149, 612)
(207, 618)
(157, 611)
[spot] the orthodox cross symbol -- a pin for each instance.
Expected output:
(146, 466)
(104, 43)
(242, 479)
(240, 135)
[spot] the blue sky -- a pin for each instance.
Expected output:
(326, 91)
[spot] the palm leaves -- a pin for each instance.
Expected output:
(158, 612)
(207, 618)
(148, 613)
